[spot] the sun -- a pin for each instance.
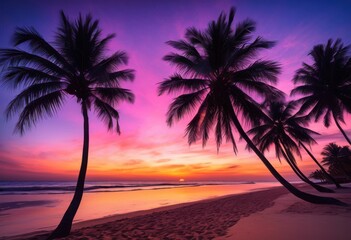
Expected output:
(181, 180)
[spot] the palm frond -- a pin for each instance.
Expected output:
(101, 45)
(188, 49)
(218, 131)
(246, 53)
(110, 63)
(107, 114)
(227, 125)
(39, 45)
(182, 105)
(64, 39)
(112, 79)
(177, 83)
(304, 90)
(193, 128)
(209, 117)
(47, 105)
(196, 36)
(259, 71)
(243, 32)
(30, 94)
(25, 76)
(15, 57)
(184, 64)
(114, 95)
(251, 111)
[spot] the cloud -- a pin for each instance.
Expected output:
(333, 137)
(163, 160)
(9, 163)
(133, 162)
(233, 166)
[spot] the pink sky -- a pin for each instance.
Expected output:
(148, 149)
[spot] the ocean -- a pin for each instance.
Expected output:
(35, 206)
(19, 188)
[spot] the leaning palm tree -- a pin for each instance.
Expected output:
(75, 65)
(217, 73)
(326, 84)
(282, 129)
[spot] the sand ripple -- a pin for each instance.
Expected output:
(202, 220)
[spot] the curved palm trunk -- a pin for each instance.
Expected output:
(320, 166)
(293, 167)
(302, 176)
(341, 130)
(302, 195)
(64, 228)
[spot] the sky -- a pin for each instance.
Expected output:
(147, 149)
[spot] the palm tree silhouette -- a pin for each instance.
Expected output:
(217, 72)
(283, 130)
(334, 157)
(326, 174)
(318, 174)
(75, 65)
(326, 84)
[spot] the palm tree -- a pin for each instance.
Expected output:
(75, 65)
(326, 84)
(217, 71)
(318, 174)
(283, 130)
(335, 157)
(327, 175)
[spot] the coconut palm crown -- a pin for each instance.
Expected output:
(337, 158)
(326, 84)
(283, 129)
(75, 65)
(221, 76)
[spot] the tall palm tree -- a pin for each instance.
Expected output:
(217, 73)
(75, 65)
(326, 84)
(334, 157)
(282, 129)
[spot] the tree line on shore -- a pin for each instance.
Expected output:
(338, 160)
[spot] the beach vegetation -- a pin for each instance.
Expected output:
(76, 65)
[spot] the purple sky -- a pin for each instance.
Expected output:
(147, 148)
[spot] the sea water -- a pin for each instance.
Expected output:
(34, 206)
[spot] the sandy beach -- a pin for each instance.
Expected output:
(267, 214)
(291, 218)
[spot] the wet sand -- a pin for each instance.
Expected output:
(204, 219)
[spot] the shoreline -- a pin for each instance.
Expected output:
(169, 214)
(42, 212)
(271, 213)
